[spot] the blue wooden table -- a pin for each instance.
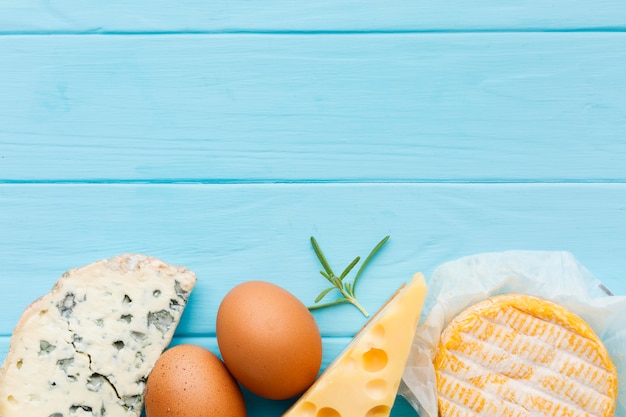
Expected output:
(221, 136)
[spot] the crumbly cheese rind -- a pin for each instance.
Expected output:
(86, 348)
(363, 381)
(518, 355)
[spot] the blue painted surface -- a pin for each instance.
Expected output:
(222, 137)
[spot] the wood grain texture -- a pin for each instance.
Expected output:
(221, 136)
(279, 15)
(415, 107)
(230, 233)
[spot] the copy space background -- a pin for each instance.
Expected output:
(222, 135)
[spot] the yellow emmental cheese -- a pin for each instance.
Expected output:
(363, 381)
(518, 355)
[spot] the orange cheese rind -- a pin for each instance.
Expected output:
(519, 355)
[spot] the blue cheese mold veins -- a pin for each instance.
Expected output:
(86, 348)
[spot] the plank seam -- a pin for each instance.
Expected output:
(338, 32)
(307, 181)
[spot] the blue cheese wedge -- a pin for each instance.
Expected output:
(86, 348)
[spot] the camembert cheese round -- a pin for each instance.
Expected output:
(518, 355)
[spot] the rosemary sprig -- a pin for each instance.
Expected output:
(346, 289)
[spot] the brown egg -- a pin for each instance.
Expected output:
(190, 381)
(269, 340)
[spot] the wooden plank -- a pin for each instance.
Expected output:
(415, 107)
(232, 233)
(229, 233)
(278, 15)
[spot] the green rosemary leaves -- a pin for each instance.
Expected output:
(347, 289)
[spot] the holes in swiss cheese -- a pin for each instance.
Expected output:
(378, 334)
(307, 409)
(374, 360)
(327, 412)
(376, 389)
(378, 411)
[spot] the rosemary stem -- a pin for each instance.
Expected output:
(360, 307)
(352, 299)
(329, 304)
(345, 288)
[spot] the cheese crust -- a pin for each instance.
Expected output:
(518, 355)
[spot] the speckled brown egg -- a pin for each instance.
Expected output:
(190, 381)
(268, 339)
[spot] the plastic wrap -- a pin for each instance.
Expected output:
(556, 276)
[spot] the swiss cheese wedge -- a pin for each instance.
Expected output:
(517, 355)
(363, 381)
